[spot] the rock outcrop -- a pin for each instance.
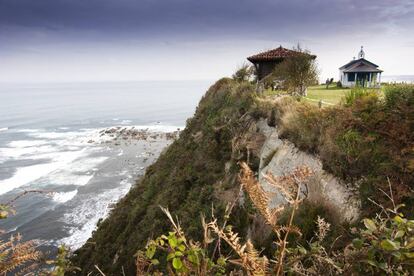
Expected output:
(280, 157)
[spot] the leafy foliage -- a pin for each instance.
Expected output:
(243, 73)
(297, 72)
(61, 265)
(182, 257)
(358, 93)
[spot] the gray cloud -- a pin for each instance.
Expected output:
(82, 33)
(259, 18)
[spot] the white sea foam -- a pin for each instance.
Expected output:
(87, 164)
(126, 122)
(27, 143)
(28, 174)
(28, 130)
(59, 135)
(28, 152)
(3, 129)
(79, 172)
(85, 215)
(64, 196)
(67, 178)
(25, 175)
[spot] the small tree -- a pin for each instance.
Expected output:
(243, 73)
(298, 72)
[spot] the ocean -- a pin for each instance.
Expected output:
(82, 146)
(398, 78)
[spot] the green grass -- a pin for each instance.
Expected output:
(330, 96)
(333, 95)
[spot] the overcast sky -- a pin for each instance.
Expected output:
(116, 40)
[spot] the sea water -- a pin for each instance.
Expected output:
(51, 141)
(398, 79)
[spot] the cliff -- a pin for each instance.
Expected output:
(232, 124)
(197, 171)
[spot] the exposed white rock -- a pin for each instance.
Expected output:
(281, 157)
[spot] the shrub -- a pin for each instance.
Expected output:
(357, 93)
(297, 72)
(396, 94)
(302, 124)
(243, 73)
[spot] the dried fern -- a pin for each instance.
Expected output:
(249, 256)
(14, 254)
(289, 187)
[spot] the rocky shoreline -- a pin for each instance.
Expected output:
(117, 135)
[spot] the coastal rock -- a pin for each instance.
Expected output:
(118, 135)
(280, 157)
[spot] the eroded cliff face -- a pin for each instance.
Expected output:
(280, 157)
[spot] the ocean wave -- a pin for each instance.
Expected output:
(67, 178)
(68, 135)
(28, 152)
(27, 143)
(126, 122)
(63, 155)
(28, 130)
(3, 129)
(28, 174)
(85, 215)
(78, 173)
(63, 197)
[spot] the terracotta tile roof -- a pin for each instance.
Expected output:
(274, 54)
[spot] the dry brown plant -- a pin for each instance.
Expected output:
(249, 256)
(14, 254)
(290, 187)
